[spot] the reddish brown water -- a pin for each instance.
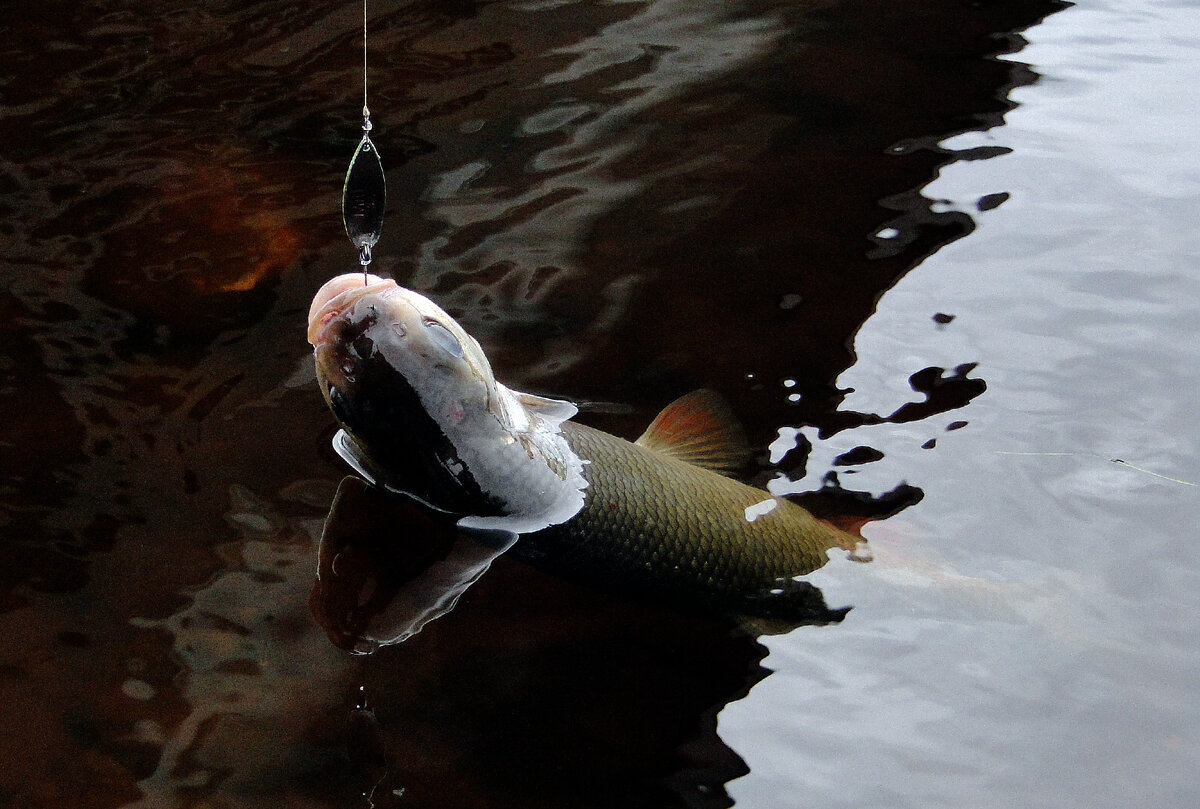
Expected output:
(621, 201)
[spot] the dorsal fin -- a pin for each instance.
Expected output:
(701, 429)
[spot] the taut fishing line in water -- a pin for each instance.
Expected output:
(364, 192)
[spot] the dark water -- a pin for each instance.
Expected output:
(623, 202)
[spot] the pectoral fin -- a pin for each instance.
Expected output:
(554, 411)
(701, 429)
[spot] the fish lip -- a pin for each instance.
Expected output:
(336, 296)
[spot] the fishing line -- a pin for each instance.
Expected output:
(366, 112)
(1117, 461)
(364, 192)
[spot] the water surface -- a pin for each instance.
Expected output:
(943, 245)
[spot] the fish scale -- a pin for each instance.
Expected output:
(654, 523)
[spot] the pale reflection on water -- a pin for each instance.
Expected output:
(1051, 658)
(539, 220)
(251, 662)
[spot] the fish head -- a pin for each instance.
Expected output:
(402, 378)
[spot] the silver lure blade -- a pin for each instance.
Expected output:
(364, 196)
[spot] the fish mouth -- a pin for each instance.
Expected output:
(336, 296)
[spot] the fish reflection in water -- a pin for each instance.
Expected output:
(530, 687)
(386, 567)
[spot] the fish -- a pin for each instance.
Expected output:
(422, 415)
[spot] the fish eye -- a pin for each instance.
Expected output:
(443, 337)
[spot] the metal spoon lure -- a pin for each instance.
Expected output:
(364, 195)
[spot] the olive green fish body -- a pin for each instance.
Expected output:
(659, 525)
